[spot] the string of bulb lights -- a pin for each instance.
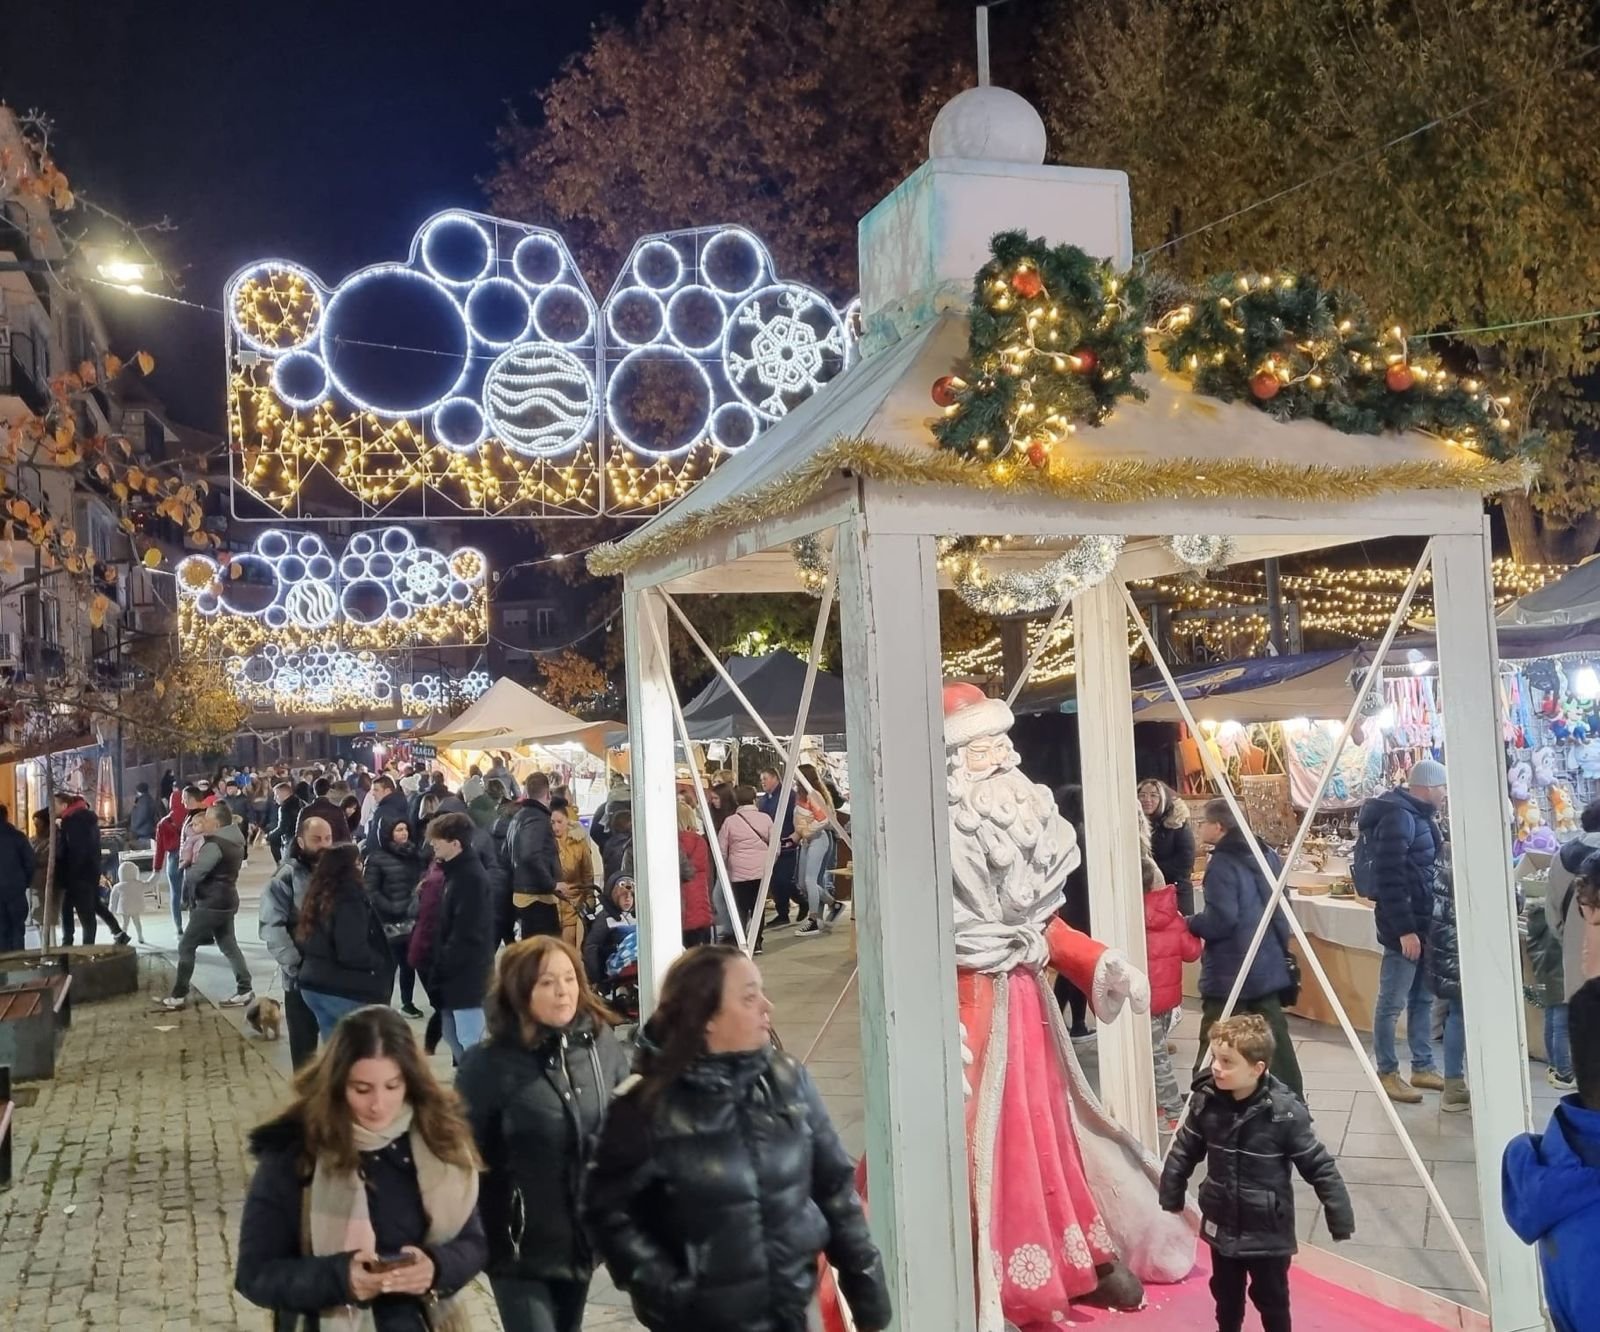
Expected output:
(1348, 602)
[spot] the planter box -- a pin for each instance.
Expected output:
(98, 971)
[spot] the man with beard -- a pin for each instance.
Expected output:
(279, 911)
(391, 808)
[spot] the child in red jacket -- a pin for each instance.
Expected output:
(1168, 945)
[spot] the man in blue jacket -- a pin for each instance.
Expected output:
(1398, 849)
(1550, 1181)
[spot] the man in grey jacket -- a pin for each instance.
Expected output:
(211, 893)
(279, 911)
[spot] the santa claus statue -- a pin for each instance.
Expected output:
(1063, 1198)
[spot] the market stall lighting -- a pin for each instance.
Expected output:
(1585, 683)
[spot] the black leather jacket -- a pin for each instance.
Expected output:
(536, 1113)
(1247, 1200)
(274, 1271)
(711, 1203)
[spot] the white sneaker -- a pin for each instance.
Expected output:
(172, 1005)
(239, 1000)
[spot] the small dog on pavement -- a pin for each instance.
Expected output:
(265, 1017)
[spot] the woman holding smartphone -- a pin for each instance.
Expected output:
(362, 1213)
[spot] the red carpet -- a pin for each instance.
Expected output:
(1319, 1306)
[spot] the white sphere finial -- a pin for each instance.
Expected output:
(988, 124)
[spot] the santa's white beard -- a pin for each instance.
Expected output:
(1010, 849)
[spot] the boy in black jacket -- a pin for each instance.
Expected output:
(1250, 1128)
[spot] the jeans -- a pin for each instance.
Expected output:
(328, 1009)
(13, 922)
(399, 946)
(540, 1306)
(1557, 1042)
(207, 925)
(814, 873)
(1169, 1097)
(462, 1029)
(302, 1025)
(1402, 987)
(1284, 1066)
(1269, 1290)
(175, 887)
(1455, 1039)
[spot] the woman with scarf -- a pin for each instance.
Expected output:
(719, 1178)
(362, 1213)
(536, 1093)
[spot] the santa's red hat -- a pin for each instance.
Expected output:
(969, 714)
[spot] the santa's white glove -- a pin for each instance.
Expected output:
(966, 1062)
(1118, 981)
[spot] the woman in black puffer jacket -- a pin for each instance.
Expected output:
(719, 1178)
(345, 960)
(536, 1094)
(394, 868)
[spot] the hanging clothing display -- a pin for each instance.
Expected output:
(1358, 775)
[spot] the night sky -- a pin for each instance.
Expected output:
(317, 130)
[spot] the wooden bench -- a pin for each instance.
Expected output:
(34, 1015)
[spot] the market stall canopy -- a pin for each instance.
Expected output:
(509, 715)
(772, 683)
(1571, 599)
(1308, 684)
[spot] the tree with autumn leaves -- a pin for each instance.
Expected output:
(1435, 158)
(56, 451)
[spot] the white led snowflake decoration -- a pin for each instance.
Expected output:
(481, 372)
(288, 589)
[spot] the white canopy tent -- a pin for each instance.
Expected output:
(508, 715)
(857, 465)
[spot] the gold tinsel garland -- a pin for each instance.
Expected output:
(1098, 482)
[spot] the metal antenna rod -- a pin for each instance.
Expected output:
(983, 40)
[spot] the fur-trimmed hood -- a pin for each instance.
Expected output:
(1177, 812)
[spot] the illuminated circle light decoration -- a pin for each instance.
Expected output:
(320, 678)
(383, 589)
(521, 397)
(429, 691)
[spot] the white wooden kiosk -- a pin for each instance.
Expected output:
(857, 464)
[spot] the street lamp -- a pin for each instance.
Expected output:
(123, 272)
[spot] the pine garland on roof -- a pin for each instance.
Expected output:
(1056, 338)
(1300, 352)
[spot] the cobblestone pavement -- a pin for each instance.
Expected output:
(131, 1170)
(142, 1136)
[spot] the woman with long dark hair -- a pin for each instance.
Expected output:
(719, 1177)
(536, 1093)
(394, 868)
(345, 958)
(362, 1212)
(1171, 838)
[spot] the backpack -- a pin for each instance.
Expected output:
(1364, 866)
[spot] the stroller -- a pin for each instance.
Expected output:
(613, 963)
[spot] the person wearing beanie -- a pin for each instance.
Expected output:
(1396, 861)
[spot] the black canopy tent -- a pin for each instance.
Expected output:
(773, 685)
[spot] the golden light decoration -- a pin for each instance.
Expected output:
(383, 591)
(1354, 603)
(276, 308)
(504, 388)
